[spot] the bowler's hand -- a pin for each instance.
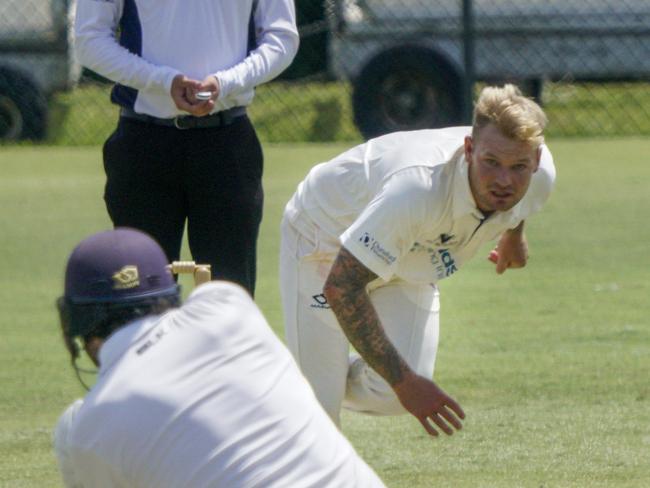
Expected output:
(511, 251)
(428, 403)
(184, 92)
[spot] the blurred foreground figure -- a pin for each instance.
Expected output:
(195, 395)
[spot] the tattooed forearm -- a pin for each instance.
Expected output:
(345, 290)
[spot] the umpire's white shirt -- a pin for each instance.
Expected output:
(196, 38)
(402, 205)
(203, 396)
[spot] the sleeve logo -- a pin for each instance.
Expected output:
(377, 249)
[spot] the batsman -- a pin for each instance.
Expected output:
(198, 394)
(368, 235)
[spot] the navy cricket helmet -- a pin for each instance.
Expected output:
(113, 269)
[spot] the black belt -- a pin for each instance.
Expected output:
(219, 119)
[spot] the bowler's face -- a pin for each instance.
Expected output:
(500, 169)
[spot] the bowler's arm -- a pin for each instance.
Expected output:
(346, 294)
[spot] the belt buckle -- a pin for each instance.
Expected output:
(178, 125)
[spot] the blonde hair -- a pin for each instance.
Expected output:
(516, 116)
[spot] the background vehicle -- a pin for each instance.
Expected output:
(36, 61)
(405, 57)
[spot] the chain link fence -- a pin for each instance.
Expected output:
(367, 67)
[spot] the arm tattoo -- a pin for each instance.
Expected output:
(346, 293)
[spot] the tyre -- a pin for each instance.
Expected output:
(23, 108)
(406, 88)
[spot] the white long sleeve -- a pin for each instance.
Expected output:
(97, 48)
(277, 40)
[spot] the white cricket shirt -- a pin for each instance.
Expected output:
(204, 396)
(402, 204)
(158, 40)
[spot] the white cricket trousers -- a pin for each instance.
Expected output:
(409, 314)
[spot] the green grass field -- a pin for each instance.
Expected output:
(551, 363)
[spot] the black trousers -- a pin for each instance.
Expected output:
(158, 178)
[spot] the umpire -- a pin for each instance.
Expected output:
(184, 149)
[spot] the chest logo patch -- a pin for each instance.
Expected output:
(445, 238)
(440, 257)
(448, 265)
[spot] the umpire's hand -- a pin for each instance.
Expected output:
(184, 91)
(429, 404)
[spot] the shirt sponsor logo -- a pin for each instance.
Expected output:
(448, 265)
(445, 238)
(440, 258)
(377, 249)
(319, 301)
(155, 339)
